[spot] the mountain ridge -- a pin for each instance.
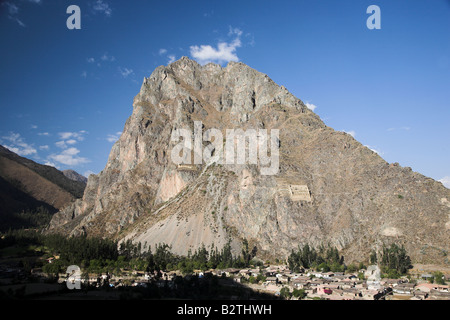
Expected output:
(75, 176)
(26, 185)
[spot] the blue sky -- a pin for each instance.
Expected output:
(65, 94)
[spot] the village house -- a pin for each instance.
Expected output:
(390, 282)
(404, 288)
(419, 295)
(370, 294)
(346, 284)
(352, 292)
(271, 280)
(427, 287)
(438, 295)
(310, 290)
(324, 289)
(300, 282)
(254, 272)
(245, 273)
(229, 272)
(316, 274)
(316, 282)
(282, 278)
(426, 276)
(333, 285)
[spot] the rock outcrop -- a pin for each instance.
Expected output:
(356, 200)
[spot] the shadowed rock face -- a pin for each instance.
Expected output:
(357, 200)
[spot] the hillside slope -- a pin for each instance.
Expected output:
(26, 186)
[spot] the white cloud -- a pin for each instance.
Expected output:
(43, 134)
(33, 126)
(88, 173)
(125, 72)
(171, 58)
(102, 7)
(351, 132)
(23, 25)
(18, 145)
(12, 8)
(69, 157)
(61, 144)
(445, 181)
(225, 52)
(71, 141)
(51, 164)
(106, 57)
(69, 138)
(84, 74)
(234, 31)
(208, 14)
(13, 11)
(90, 60)
(405, 128)
(374, 150)
(113, 137)
(45, 147)
(310, 106)
(72, 135)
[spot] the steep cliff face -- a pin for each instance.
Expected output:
(328, 188)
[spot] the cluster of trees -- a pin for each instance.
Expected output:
(75, 250)
(103, 255)
(200, 259)
(285, 293)
(324, 259)
(28, 218)
(97, 255)
(438, 278)
(252, 279)
(394, 260)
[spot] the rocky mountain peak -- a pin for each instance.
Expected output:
(329, 188)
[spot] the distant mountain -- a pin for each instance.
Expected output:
(75, 176)
(27, 187)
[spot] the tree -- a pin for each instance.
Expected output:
(373, 257)
(308, 257)
(299, 293)
(323, 267)
(352, 268)
(285, 293)
(395, 258)
(261, 278)
(439, 278)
